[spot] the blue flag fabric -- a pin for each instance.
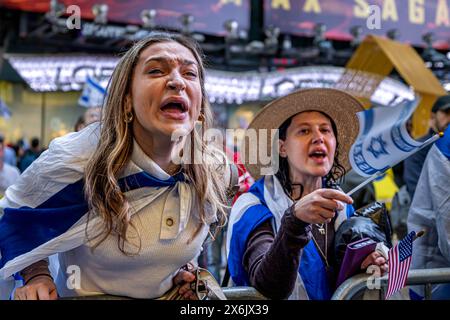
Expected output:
(93, 94)
(24, 229)
(383, 139)
(443, 144)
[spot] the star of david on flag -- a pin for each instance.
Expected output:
(383, 140)
(377, 146)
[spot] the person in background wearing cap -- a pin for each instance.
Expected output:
(8, 173)
(280, 238)
(430, 211)
(439, 120)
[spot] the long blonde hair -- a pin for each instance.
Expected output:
(115, 146)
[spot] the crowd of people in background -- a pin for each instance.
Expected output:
(22, 153)
(15, 159)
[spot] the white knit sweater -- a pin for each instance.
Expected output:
(106, 270)
(146, 275)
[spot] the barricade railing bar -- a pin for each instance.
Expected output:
(243, 293)
(346, 291)
(426, 277)
(232, 293)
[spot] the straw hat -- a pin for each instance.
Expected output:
(338, 105)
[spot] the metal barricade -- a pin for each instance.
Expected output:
(232, 293)
(243, 293)
(347, 291)
(355, 285)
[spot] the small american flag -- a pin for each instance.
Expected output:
(399, 262)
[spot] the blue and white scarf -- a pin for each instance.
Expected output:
(267, 200)
(45, 212)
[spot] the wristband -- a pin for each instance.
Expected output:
(38, 275)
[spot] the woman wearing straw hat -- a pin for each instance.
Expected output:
(281, 233)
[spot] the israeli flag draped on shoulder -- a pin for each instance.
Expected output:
(93, 93)
(383, 140)
(266, 200)
(45, 212)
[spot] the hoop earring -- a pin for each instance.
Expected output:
(199, 125)
(128, 117)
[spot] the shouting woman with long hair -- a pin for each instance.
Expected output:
(110, 199)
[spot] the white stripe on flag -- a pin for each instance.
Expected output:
(397, 278)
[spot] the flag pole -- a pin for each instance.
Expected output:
(381, 173)
(419, 234)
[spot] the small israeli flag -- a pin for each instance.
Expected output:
(4, 110)
(383, 140)
(93, 94)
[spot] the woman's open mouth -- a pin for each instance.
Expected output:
(176, 110)
(318, 156)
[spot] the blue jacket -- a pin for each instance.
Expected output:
(266, 201)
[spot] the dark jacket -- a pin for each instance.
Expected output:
(413, 165)
(28, 159)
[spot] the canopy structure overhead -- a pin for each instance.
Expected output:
(381, 55)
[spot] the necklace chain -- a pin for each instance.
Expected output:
(324, 255)
(320, 228)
